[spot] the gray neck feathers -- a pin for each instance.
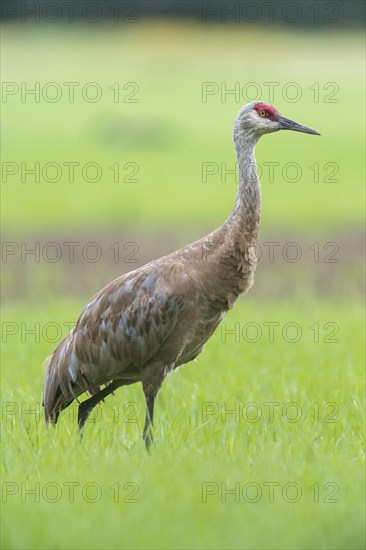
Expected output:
(245, 216)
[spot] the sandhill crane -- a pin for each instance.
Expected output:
(152, 320)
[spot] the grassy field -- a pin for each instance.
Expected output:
(296, 426)
(168, 126)
(260, 442)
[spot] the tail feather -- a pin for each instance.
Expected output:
(63, 382)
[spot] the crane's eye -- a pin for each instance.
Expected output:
(263, 113)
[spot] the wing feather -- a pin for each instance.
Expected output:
(118, 332)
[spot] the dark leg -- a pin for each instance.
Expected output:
(147, 434)
(86, 407)
(151, 385)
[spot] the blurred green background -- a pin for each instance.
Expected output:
(162, 124)
(165, 116)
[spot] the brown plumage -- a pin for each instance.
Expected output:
(158, 317)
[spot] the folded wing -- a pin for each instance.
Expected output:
(122, 328)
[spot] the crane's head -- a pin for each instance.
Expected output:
(260, 118)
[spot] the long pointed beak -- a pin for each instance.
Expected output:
(288, 124)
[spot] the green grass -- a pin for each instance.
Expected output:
(323, 379)
(170, 132)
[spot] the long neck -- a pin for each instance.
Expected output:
(243, 223)
(227, 256)
(233, 261)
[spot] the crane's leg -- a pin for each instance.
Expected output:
(151, 384)
(86, 407)
(147, 433)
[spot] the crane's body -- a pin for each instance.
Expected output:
(154, 319)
